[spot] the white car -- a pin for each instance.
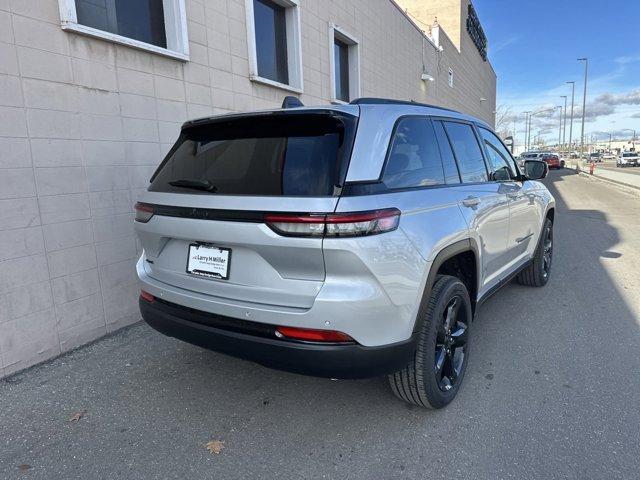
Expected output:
(628, 159)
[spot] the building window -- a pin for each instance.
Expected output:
(273, 31)
(451, 78)
(344, 65)
(156, 25)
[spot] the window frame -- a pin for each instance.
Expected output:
(353, 45)
(478, 140)
(175, 25)
(294, 46)
(518, 173)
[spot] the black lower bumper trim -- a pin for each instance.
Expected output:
(330, 361)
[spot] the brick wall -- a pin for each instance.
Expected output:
(84, 122)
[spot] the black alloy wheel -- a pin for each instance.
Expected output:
(547, 255)
(451, 345)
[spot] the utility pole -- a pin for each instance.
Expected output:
(564, 128)
(584, 99)
(573, 91)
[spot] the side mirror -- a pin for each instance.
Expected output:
(535, 169)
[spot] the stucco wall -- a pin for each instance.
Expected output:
(84, 122)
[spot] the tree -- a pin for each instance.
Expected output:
(504, 120)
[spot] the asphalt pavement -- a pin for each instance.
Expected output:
(552, 389)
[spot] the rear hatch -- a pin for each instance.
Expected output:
(202, 221)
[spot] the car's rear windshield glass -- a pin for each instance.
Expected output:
(630, 154)
(270, 155)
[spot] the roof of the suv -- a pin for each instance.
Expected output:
(392, 107)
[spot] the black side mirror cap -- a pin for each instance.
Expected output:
(535, 169)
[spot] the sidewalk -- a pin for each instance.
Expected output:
(621, 178)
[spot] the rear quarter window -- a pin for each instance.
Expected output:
(414, 157)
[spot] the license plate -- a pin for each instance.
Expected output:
(209, 261)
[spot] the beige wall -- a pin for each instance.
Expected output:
(474, 78)
(84, 122)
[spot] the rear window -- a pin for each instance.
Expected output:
(271, 155)
(629, 154)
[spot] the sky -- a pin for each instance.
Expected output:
(534, 46)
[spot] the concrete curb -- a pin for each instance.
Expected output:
(633, 189)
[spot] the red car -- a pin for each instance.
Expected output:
(553, 160)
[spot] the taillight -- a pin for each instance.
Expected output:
(310, 335)
(335, 224)
(144, 212)
(147, 296)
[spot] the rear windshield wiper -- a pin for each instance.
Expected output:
(194, 184)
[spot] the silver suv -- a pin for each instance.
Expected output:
(343, 241)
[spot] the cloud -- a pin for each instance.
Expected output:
(635, 115)
(628, 98)
(501, 45)
(602, 106)
(626, 59)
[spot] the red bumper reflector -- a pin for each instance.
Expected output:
(147, 296)
(311, 335)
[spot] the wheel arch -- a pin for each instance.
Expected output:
(445, 258)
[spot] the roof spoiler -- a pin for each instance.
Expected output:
(291, 102)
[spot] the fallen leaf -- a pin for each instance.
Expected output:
(24, 466)
(215, 446)
(77, 416)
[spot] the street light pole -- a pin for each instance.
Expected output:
(573, 92)
(560, 128)
(584, 99)
(564, 128)
(529, 133)
(633, 139)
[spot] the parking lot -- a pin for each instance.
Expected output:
(552, 389)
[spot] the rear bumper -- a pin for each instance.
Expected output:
(251, 341)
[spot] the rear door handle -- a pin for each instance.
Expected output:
(471, 202)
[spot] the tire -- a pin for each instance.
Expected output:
(537, 273)
(421, 382)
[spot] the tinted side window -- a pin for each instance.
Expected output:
(467, 152)
(502, 165)
(451, 175)
(414, 157)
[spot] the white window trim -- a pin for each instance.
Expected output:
(450, 78)
(294, 46)
(175, 23)
(354, 63)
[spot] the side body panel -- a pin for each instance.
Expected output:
(431, 220)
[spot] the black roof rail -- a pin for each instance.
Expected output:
(389, 101)
(291, 102)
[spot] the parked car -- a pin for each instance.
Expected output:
(628, 159)
(595, 157)
(528, 156)
(553, 160)
(344, 241)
